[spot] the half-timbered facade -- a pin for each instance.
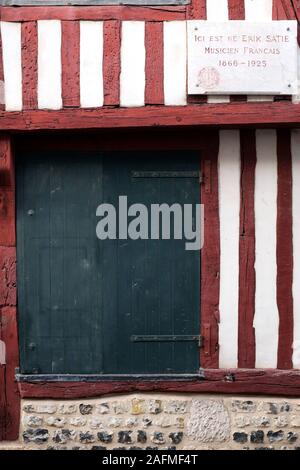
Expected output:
(110, 80)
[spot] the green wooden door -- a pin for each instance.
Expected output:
(119, 306)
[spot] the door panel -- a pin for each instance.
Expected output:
(81, 300)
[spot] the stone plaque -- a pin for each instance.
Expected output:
(240, 57)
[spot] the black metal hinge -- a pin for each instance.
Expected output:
(166, 338)
(167, 174)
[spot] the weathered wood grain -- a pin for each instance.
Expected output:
(236, 9)
(154, 91)
(196, 10)
(229, 115)
(284, 250)
(29, 64)
(9, 395)
(70, 63)
(72, 13)
(6, 162)
(231, 381)
(246, 336)
(210, 259)
(8, 295)
(112, 62)
(12, 396)
(2, 105)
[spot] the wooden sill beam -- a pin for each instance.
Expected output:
(231, 381)
(231, 115)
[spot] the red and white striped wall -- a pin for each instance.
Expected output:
(259, 207)
(56, 63)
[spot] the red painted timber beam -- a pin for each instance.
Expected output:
(231, 115)
(9, 396)
(232, 381)
(96, 12)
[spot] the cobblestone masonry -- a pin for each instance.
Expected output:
(153, 421)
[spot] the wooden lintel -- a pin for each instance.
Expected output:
(231, 115)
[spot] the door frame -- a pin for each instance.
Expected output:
(207, 144)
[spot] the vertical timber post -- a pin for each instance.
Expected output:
(9, 356)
